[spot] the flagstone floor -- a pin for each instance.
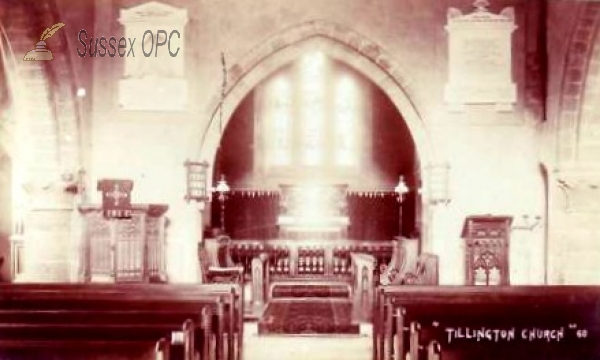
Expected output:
(330, 347)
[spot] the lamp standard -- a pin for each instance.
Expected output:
(222, 189)
(401, 189)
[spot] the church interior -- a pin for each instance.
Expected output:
(400, 179)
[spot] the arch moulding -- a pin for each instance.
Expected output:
(336, 41)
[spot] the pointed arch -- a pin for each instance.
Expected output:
(334, 40)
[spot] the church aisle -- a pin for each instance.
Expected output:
(347, 347)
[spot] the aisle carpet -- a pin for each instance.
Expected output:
(308, 309)
(287, 290)
(308, 316)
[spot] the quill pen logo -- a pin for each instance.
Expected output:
(40, 52)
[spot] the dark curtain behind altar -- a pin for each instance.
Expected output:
(373, 216)
(253, 215)
(248, 215)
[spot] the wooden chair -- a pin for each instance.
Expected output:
(220, 269)
(424, 273)
(408, 267)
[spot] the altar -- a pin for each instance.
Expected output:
(313, 212)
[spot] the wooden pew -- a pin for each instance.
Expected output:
(229, 319)
(132, 293)
(118, 329)
(232, 319)
(468, 322)
(28, 311)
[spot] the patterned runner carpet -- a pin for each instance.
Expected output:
(311, 291)
(308, 316)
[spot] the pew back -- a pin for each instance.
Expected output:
(519, 322)
(67, 314)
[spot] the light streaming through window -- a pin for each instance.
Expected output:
(347, 109)
(313, 73)
(313, 115)
(280, 115)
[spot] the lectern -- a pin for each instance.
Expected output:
(486, 249)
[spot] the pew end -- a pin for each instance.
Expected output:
(362, 270)
(434, 351)
(161, 350)
(260, 284)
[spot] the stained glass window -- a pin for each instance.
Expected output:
(280, 124)
(312, 113)
(346, 124)
(313, 74)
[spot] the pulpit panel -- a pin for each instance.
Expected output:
(100, 254)
(124, 250)
(129, 248)
(155, 247)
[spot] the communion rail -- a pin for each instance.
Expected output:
(328, 260)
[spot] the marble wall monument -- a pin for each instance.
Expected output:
(480, 57)
(154, 78)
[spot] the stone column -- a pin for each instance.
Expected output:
(47, 235)
(183, 239)
(197, 242)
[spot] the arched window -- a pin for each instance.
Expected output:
(346, 115)
(280, 122)
(313, 114)
(313, 76)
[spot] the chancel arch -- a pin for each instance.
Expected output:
(336, 43)
(313, 125)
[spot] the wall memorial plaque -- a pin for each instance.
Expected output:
(480, 57)
(155, 76)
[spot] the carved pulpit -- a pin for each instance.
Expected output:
(123, 250)
(487, 240)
